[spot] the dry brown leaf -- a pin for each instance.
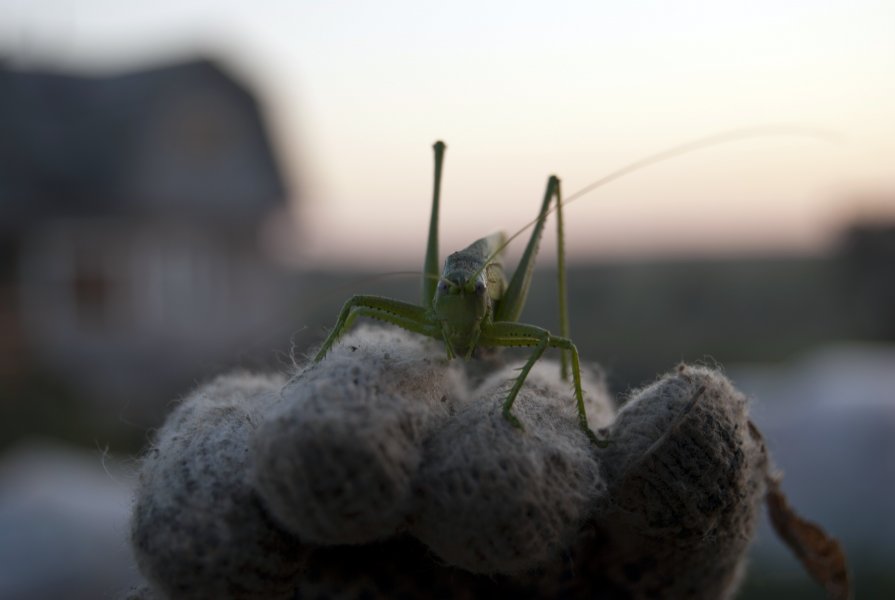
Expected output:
(821, 555)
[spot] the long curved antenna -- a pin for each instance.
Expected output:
(681, 149)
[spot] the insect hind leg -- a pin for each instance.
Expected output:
(571, 351)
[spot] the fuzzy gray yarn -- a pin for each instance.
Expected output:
(492, 499)
(687, 477)
(198, 529)
(336, 456)
(383, 440)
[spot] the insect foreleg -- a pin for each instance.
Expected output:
(407, 316)
(520, 334)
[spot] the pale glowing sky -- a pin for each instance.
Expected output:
(358, 91)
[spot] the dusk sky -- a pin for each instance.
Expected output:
(357, 92)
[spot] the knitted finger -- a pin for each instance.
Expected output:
(198, 529)
(495, 499)
(686, 477)
(335, 457)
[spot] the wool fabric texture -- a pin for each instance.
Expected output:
(493, 499)
(386, 470)
(335, 459)
(685, 473)
(198, 528)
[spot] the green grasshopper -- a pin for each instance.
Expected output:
(470, 304)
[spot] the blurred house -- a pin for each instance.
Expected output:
(131, 209)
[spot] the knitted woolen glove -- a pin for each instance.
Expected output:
(198, 528)
(493, 499)
(385, 470)
(336, 457)
(686, 477)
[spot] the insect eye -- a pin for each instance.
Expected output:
(446, 287)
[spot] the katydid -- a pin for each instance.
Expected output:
(471, 304)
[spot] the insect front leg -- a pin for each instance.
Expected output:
(407, 316)
(520, 334)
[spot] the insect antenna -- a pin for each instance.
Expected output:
(701, 143)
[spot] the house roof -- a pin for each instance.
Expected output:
(183, 140)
